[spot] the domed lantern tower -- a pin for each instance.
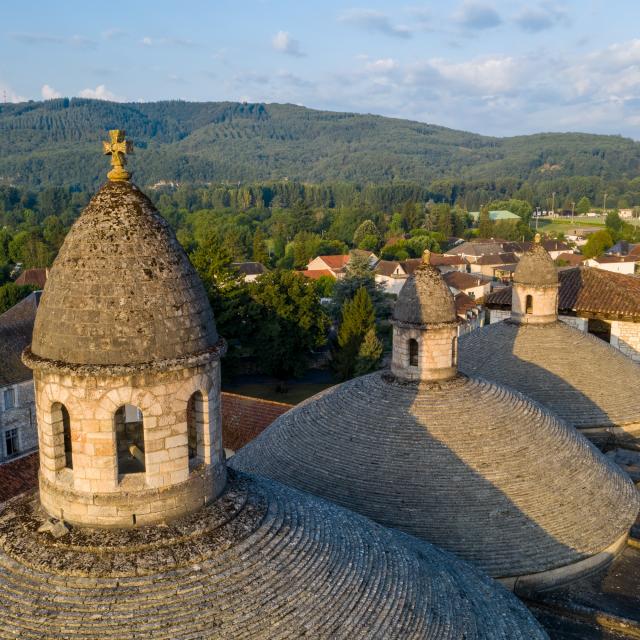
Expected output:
(535, 288)
(125, 356)
(425, 328)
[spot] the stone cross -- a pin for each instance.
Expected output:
(118, 147)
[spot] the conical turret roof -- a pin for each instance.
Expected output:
(536, 267)
(425, 298)
(122, 291)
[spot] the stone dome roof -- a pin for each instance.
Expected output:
(536, 268)
(465, 464)
(263, 561)
(122, 291)
(585, 381)
(425, 299)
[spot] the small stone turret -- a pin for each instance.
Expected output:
(125, 356)
(535, 288)
(425, 328)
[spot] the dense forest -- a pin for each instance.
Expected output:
(386, 161)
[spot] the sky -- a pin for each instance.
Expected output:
(492, 67)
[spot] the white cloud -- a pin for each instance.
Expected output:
(545, 15)
(382, 65)
(373, 20)
(148, 41)
(99, 93)
(284, 43)
(49, 93)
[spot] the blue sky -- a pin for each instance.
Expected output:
(493, 67)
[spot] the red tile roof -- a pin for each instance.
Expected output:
(35, 277)
(16, 327)
(243, 418)
(439, 260)
(614, 259)
(589, 290)
(335, 262)
(462, 281)
(18, 476)
(497, 259)
(464, 303)
(574, 259)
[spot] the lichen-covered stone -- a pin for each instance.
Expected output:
(262, 561)
(465, 464)
(536, 267)
(122, 291)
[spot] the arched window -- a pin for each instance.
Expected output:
(196, 418)
(454, 351)
(529, 305)
(61, 425)
(129, 439)
(413, 353)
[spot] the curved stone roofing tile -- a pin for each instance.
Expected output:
(582, 379)
(263, 561)
(465, 464)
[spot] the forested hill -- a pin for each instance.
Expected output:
(58, 142)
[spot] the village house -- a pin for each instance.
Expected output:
(392, 274)
(250, 270)
(596, 301)
(446, 263)
(617, 264)
(496, 216)
(469, 311)
(336, 265)
(18, 433)
(473, 286)
(569, 259)
(498, 266)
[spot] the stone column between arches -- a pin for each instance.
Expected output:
(92, 493)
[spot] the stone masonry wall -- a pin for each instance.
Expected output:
(544, 304)
(22, 417)
(626, 337)
(437, 352)
(92, 492)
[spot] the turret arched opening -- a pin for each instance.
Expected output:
(413, 352)
(61, 425)
(129, 425)
(196, 423)
(529, 305)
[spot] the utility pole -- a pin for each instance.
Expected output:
(604, 204)
(573, 208)
(553, 203)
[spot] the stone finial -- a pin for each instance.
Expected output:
(426, 257)
(118, 148)
(537, 238)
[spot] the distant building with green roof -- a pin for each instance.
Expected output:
(494, 216)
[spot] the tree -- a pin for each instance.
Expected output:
(597, 244)
(290, 322)
(369, 353)
(358, 317)
(11, 293)
(367, 230)
(28, 249)
(614, 223)
(442, 214)
(260, 252)
(358, 274)
(584, 206)
(485, 224)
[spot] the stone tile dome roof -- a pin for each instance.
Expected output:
(425, 299)
(536, 268)
(465, 464)
(582, 379)
(122, 291)
(264, 561)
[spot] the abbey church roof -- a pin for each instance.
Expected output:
(466, 464)
(585, 381)
(122, 291)
(263, 561)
